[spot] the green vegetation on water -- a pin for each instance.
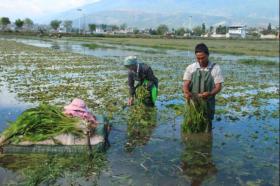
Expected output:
(258, 62)
(47, 169)
(95, 46)
(141, 121)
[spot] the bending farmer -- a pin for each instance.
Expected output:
(144, 75)
(203, 79)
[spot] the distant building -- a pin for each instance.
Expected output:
(236, 31)
(99, 30)
(128, 30)
(206, 35)
(62, 29)
(268, 36)
(218, 35)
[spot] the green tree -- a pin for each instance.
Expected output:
(4, 21)
(203, 28)
(221, 29)
(162, 29)
(92, 27)
(55, 24)
(123, 26)
(19, 23)
(197, 31)
(269, 28)
(152, 31)
(180, 31)
(103, 27)
(211, 29)
(28, 23)
(115, 27)
(136, 31)
(68, 25)
(188, 31)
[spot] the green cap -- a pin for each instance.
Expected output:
(130, 60)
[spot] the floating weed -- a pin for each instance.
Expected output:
(275, 114)
(257, 62)
(49, 169)
(221, 111)
(140, 124)
(179, 109)
(254, 136)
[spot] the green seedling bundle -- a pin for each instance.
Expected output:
(41, 123)
(195, 116)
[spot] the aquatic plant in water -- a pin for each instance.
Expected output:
(140, 124)
(141, 120)
(195, 117)
(49, 170)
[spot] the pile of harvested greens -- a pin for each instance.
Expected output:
(40, 123)
(195, 117)
(142, 94)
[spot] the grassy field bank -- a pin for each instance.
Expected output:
(227, 46)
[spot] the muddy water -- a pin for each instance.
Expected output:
(243, 149)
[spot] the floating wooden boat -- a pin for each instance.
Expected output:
(64, 143)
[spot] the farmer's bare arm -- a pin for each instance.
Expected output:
(186, 90)
(217, 89)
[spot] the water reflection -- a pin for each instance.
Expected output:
(51, 169)
(140, 125)
(55, 46)
(197, 161)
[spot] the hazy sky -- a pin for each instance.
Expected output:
(35, 9)
(38, 10)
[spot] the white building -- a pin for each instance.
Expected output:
(62, 29)
(99, 30)
(236, 31)
(214, 35)
(268, 36)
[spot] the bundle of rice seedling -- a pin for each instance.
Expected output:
(142, 94)
(41, 123)
(195, 116)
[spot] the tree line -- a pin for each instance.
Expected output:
(5, 21)
(160, 30)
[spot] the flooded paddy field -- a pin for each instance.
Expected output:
(147, 148)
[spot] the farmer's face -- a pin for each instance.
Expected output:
(202, 59)
(132, 68)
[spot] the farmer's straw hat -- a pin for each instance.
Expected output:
(130, 60)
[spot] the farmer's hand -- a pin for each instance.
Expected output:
(130, 101)
(204, 95)
(188, 95)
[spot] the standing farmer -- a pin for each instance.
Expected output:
(144, 75)
(203, 79)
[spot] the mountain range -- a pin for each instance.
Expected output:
(174, 13)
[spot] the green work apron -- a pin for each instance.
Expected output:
(203, 81)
